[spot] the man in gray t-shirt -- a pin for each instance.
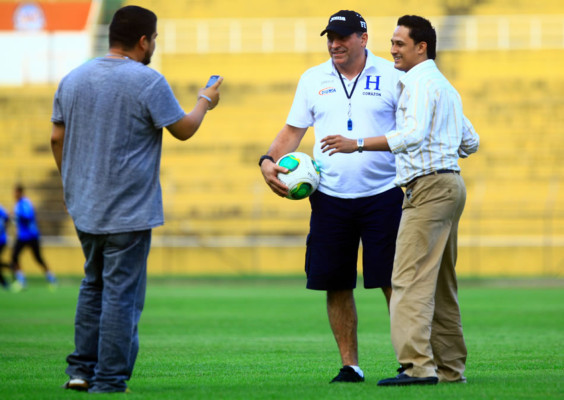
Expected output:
(108, 118)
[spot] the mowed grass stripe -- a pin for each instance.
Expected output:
(270, 339)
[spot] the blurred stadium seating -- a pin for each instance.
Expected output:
(505, 58)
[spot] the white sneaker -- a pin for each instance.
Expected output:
(76, 384)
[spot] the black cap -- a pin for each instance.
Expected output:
(345, 22)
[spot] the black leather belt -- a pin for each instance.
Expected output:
(437, 172)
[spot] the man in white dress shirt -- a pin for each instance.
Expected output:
(432, 133)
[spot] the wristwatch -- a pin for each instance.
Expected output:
(265, 157)
(360, 144)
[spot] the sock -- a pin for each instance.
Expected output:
(50, 277)
(357, 369)
(20, 277)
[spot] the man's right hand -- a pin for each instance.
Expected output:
(287, 140)
(270, 171)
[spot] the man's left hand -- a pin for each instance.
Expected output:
(338, 144)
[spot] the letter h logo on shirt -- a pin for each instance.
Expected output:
(372, 80)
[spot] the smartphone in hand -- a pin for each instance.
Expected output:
(213, 79)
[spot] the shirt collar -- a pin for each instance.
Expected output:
(414, 73)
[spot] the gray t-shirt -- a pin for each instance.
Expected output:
(114, 111)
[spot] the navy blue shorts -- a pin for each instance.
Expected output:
(336, 228)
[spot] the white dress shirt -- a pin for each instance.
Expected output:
(431, 129)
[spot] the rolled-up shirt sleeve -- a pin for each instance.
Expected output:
(470, 139)
(414, 114)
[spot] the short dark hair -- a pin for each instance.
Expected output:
(421, 30)
(129, 24)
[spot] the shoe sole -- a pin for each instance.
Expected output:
(409, 382)
(78, 388)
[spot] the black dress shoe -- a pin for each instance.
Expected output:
(347, 374)
(403, 380)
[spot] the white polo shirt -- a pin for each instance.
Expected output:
(321, 102)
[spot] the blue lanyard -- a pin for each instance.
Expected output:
(349, 122)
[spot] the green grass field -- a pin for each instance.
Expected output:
(260, 338)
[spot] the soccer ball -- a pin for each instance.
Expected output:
(302, 178)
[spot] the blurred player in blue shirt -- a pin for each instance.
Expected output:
(27, 236)
(4, 220)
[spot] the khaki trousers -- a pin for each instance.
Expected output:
(425, 316)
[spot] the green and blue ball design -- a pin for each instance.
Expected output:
(303, 175)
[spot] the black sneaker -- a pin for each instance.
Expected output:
(348, 374)
(404, 380)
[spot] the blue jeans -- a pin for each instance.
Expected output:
(110, 301)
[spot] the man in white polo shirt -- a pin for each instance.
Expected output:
(352, 93)
(431, 136)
